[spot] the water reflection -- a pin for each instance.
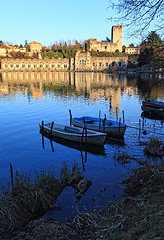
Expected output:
(83, 149)
(93, 86)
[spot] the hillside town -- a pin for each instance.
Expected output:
(91, 55)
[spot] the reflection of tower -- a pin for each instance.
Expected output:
(116, 36)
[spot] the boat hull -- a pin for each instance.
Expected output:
(74, 134)
(112, 128)
(153, 104)
(152, 110)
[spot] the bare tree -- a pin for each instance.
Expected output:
(139, 15)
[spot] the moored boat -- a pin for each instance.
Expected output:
(153, 104)
(73, 134)
(110, 127)
(153, 110)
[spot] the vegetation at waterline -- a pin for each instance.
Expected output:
(30, 198)
(139, 215)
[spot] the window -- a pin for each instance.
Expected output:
(106, 64)
(105, 47)
(100, 64)
(29, 65)
(11, 65)
(119, 64)
(23, 66)
(35, 66)
(17, 66)
(52, 66)
(93, 63)
(6, 65)
(46, 66)
(65, 65)
(40, 66)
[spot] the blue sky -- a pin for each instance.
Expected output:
(51, 20)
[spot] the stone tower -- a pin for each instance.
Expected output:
(116, 36)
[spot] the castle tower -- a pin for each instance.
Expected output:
(116, 36)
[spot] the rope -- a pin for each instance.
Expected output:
(145, 130)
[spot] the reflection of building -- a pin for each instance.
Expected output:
(132, 50)
(92, 85)
(106, 46)
(83, 61)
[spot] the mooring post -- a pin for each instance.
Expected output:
(99, 114)
(42, 125)
(123, 117)
(116, 114)
(70, 117)
(99, 124)
(85, 134)
(143, 123)
(104, 124)
(119, 124)
(52, 127)
(139, 128)
(12, 181)
(82, 135)
(84, 121)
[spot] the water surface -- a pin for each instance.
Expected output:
(28, 98)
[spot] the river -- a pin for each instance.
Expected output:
(27, 98)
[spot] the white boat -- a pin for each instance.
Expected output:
(110, 127)
(73, 134)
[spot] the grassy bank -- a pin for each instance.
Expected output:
(138, 215)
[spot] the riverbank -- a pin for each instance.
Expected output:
(138, 215)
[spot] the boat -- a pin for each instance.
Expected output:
(86, 148)
(153, 107)
(112, 128)
(153, 110)
(73, 134)
(153, 104)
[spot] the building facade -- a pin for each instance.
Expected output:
(83, 61)
(132, 50)
(35, 47)
(106, 46)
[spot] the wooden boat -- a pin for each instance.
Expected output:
(153, 107)
(73, 134)
(153, 110)
(110, 127)
(153, 104)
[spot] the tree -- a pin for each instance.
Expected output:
(152, 51)
(138, 15)
(131, 45)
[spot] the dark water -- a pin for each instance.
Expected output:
(28, 98)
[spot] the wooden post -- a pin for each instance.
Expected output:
(70, 117)
(82, 137)
(123, 117)
(104, 124)
(99, 114)
(52, 145)
(116, 114)
(85, 134)
(143, 123)
(12, 181)
(139, 128)
(42, 125)
(43, 142)
(119, 125)
(83, 121)
(99, 124)
(52, 128)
